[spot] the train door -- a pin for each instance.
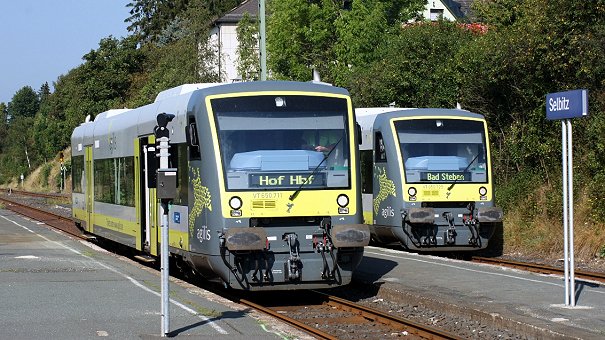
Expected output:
(89, 188)
(149, 213)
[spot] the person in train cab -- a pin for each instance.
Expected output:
(327, 142)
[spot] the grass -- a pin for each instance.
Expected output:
(540, 233)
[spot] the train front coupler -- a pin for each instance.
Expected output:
(294, 263)
(322, 244)
(472, 224)
(450, 234)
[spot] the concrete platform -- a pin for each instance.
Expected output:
(531, 304)
(58, 287)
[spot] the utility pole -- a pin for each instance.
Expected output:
(263, 40)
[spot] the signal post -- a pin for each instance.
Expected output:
(166, 191)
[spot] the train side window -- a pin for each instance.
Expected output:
(78, 183)
(192, 140)
(379, 149)
(367, 171)
(180, 162)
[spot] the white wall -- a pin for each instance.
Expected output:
(437, 5)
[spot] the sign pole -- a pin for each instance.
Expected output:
(571, 242)
(564, 106)
(565, 208)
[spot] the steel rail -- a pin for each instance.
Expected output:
(306, 328)
(36, 194)
(538, 268)
(54, 220)
(359, 315)
(412, 327)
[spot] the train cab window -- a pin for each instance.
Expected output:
(286, 138)
(192, 140)
(379, 149)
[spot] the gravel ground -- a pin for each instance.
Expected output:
(403, 305)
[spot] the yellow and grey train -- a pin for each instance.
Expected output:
(267, 179)
(427, 180)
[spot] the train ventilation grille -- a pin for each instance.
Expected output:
(263, 204)
(430, 193)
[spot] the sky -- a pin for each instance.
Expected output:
(43, 39)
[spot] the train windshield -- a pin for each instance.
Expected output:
(443, 150)
(274, 142)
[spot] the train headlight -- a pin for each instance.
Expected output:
(412, 191)
(342, 200)
(235, 203)
(280, 102)
(483, 191)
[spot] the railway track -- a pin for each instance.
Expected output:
(36, 194)
(319, 314)
(329, 317)
(539, 268)
(54, 220)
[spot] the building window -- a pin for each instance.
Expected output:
(436, 14)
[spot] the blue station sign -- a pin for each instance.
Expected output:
(568, 104)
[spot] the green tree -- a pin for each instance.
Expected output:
(321, 34)
(248, 61)
(543, 46)
(44, 93)
(148, 18)
(25, 103)
(415, 68)
(151, 20)
(102, 82)
(19, 136)
(532, 48)
(3, 124)
(300, 37)
(186, 59)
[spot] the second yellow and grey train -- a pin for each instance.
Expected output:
(427, 180)
(267, 182)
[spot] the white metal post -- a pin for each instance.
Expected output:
(165, 273)
(570, 194)
(164, 248)
(565, 208)
(64, 170)
(564, 106)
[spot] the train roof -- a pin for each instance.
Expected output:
(368, 118)
(112, 126)
(272, 85)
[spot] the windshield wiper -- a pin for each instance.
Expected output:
(467, 167)
(326, 156)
